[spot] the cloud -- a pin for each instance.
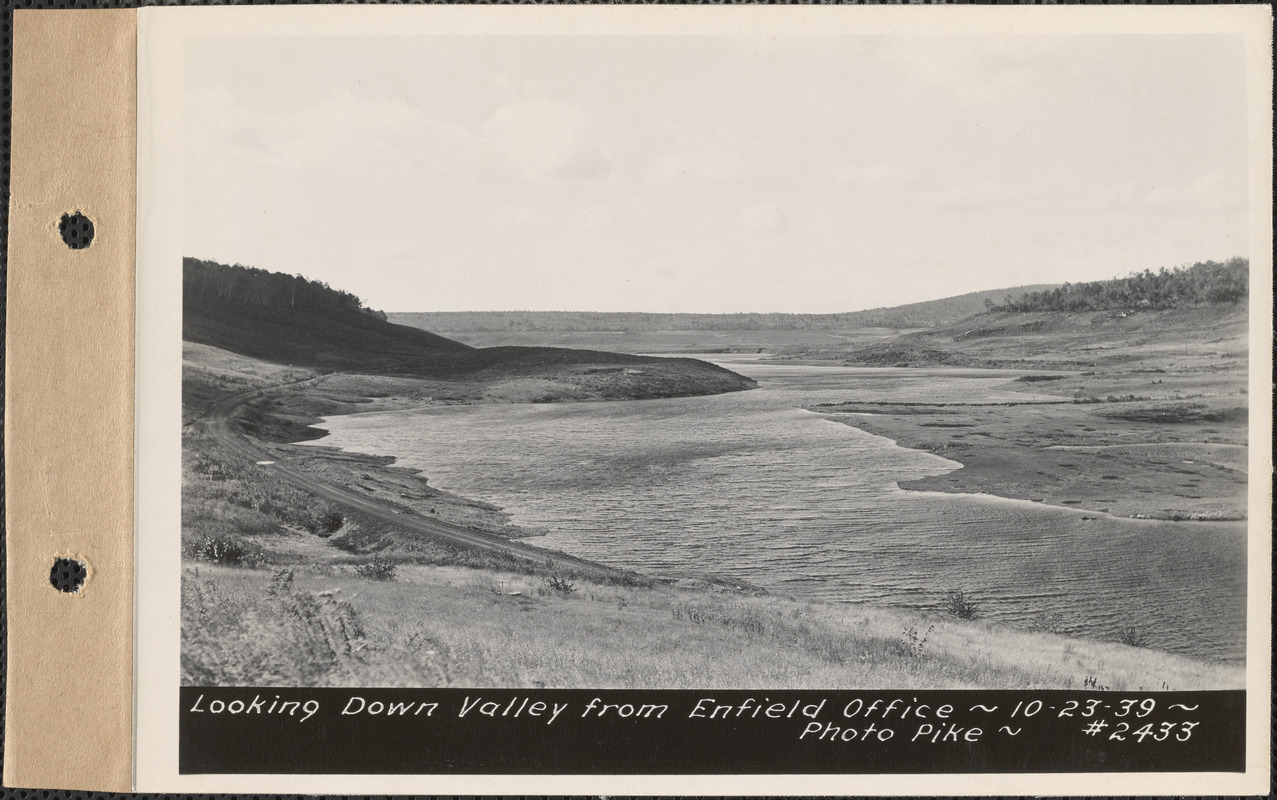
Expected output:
(1210, 193)
(719, 156)
(764, 216)
(976, 196)
(343, 134)
(973, 70)
(875, 175)
(542, 139)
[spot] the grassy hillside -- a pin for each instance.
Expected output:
(256, 313)
(1147, 316)
(1074, 340)
(936, 313)
(438, 625)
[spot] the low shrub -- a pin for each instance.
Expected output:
(1132, 637)
(379, 569)
(559, 585)
(331, 521)
(961, 605)
(917, 642)
(229, 551)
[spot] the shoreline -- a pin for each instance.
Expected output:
(282, 422)
(990, 470)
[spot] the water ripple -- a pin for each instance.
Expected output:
(752, 485)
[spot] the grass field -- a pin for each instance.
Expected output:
(455, 626)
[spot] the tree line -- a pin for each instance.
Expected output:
(1206, 282)
(209, 281)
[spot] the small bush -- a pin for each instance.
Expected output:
(379, 569)
(560, 585)
(917, 642)
(331, 521)
(1132, 637)
(961, 605)
(1092, 682)
(325, 522)
(229, 551)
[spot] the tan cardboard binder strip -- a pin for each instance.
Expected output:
(69, 401)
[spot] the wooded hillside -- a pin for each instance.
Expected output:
(1181, 287)
(204, 281)
(291, 320)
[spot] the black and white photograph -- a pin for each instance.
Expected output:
(735, 358)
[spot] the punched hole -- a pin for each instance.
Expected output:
(76, 230)
(67, 575)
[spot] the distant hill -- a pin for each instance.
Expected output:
(1098, 323)
(291, 320)
(926, 314)
(1063, 339)
(937, 313)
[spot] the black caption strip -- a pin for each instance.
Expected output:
(504, 731)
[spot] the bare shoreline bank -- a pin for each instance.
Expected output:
(1068, 455)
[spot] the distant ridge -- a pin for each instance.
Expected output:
(925, 314)
(1098, 323)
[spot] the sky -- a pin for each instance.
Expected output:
(805, 174)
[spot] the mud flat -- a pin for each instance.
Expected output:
(1175, 455)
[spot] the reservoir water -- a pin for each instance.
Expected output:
(752, 485)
